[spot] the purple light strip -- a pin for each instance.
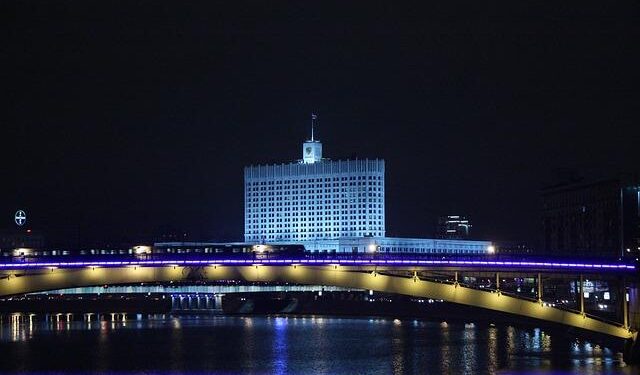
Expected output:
(364, 262)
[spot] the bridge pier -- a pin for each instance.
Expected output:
(631, 353)
(581, 292)
(624, 304)
(539, 288)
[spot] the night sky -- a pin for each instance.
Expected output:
(124, 121)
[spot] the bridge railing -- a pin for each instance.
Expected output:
(309, 255)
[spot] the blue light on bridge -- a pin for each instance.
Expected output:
(328, 261)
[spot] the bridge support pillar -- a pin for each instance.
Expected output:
(632, 346)
(624, 304)
(498, 282)
(539, 288)
(581, 292)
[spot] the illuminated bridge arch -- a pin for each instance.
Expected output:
(23, 281)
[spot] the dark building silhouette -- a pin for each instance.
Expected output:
(598, 219)
(514, 248)
(453, 227)
(21, 239)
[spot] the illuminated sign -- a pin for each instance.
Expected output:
(20, 217)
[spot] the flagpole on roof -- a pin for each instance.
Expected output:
(314, 117)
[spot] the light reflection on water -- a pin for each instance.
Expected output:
(290, 345)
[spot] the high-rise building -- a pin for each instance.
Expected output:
(314, 199)
(599, 219)
(329, 206)
(454, 227)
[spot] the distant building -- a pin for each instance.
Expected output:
(329, 206)
(21, 239)
(454, 227)
(599, 219)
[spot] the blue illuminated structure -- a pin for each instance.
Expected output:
(330, 207)
(314, 201)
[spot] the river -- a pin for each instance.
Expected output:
(292, 345)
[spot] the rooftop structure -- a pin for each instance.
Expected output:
(454, 227)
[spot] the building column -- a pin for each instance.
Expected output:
(498, 281)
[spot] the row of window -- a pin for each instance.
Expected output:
(327, 228)
(374, 185)
(305, 180)
(327, 194)
(323, 222)
(359, 203)
(311, 213)
(324, 216)
(311, 230)
(308, 237)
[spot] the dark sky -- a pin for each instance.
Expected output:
(125, 120)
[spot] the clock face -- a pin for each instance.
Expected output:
(308, 150)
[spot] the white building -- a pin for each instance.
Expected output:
(312, 201)
(329, 206)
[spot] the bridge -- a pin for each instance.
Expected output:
(480, 283)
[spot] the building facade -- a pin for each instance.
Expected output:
(599, 219)
(313, 201)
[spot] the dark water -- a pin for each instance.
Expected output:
(302, 345)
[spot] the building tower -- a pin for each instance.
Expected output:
(312, 149)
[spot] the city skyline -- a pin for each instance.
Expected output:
(328, 187)
(131, 130)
